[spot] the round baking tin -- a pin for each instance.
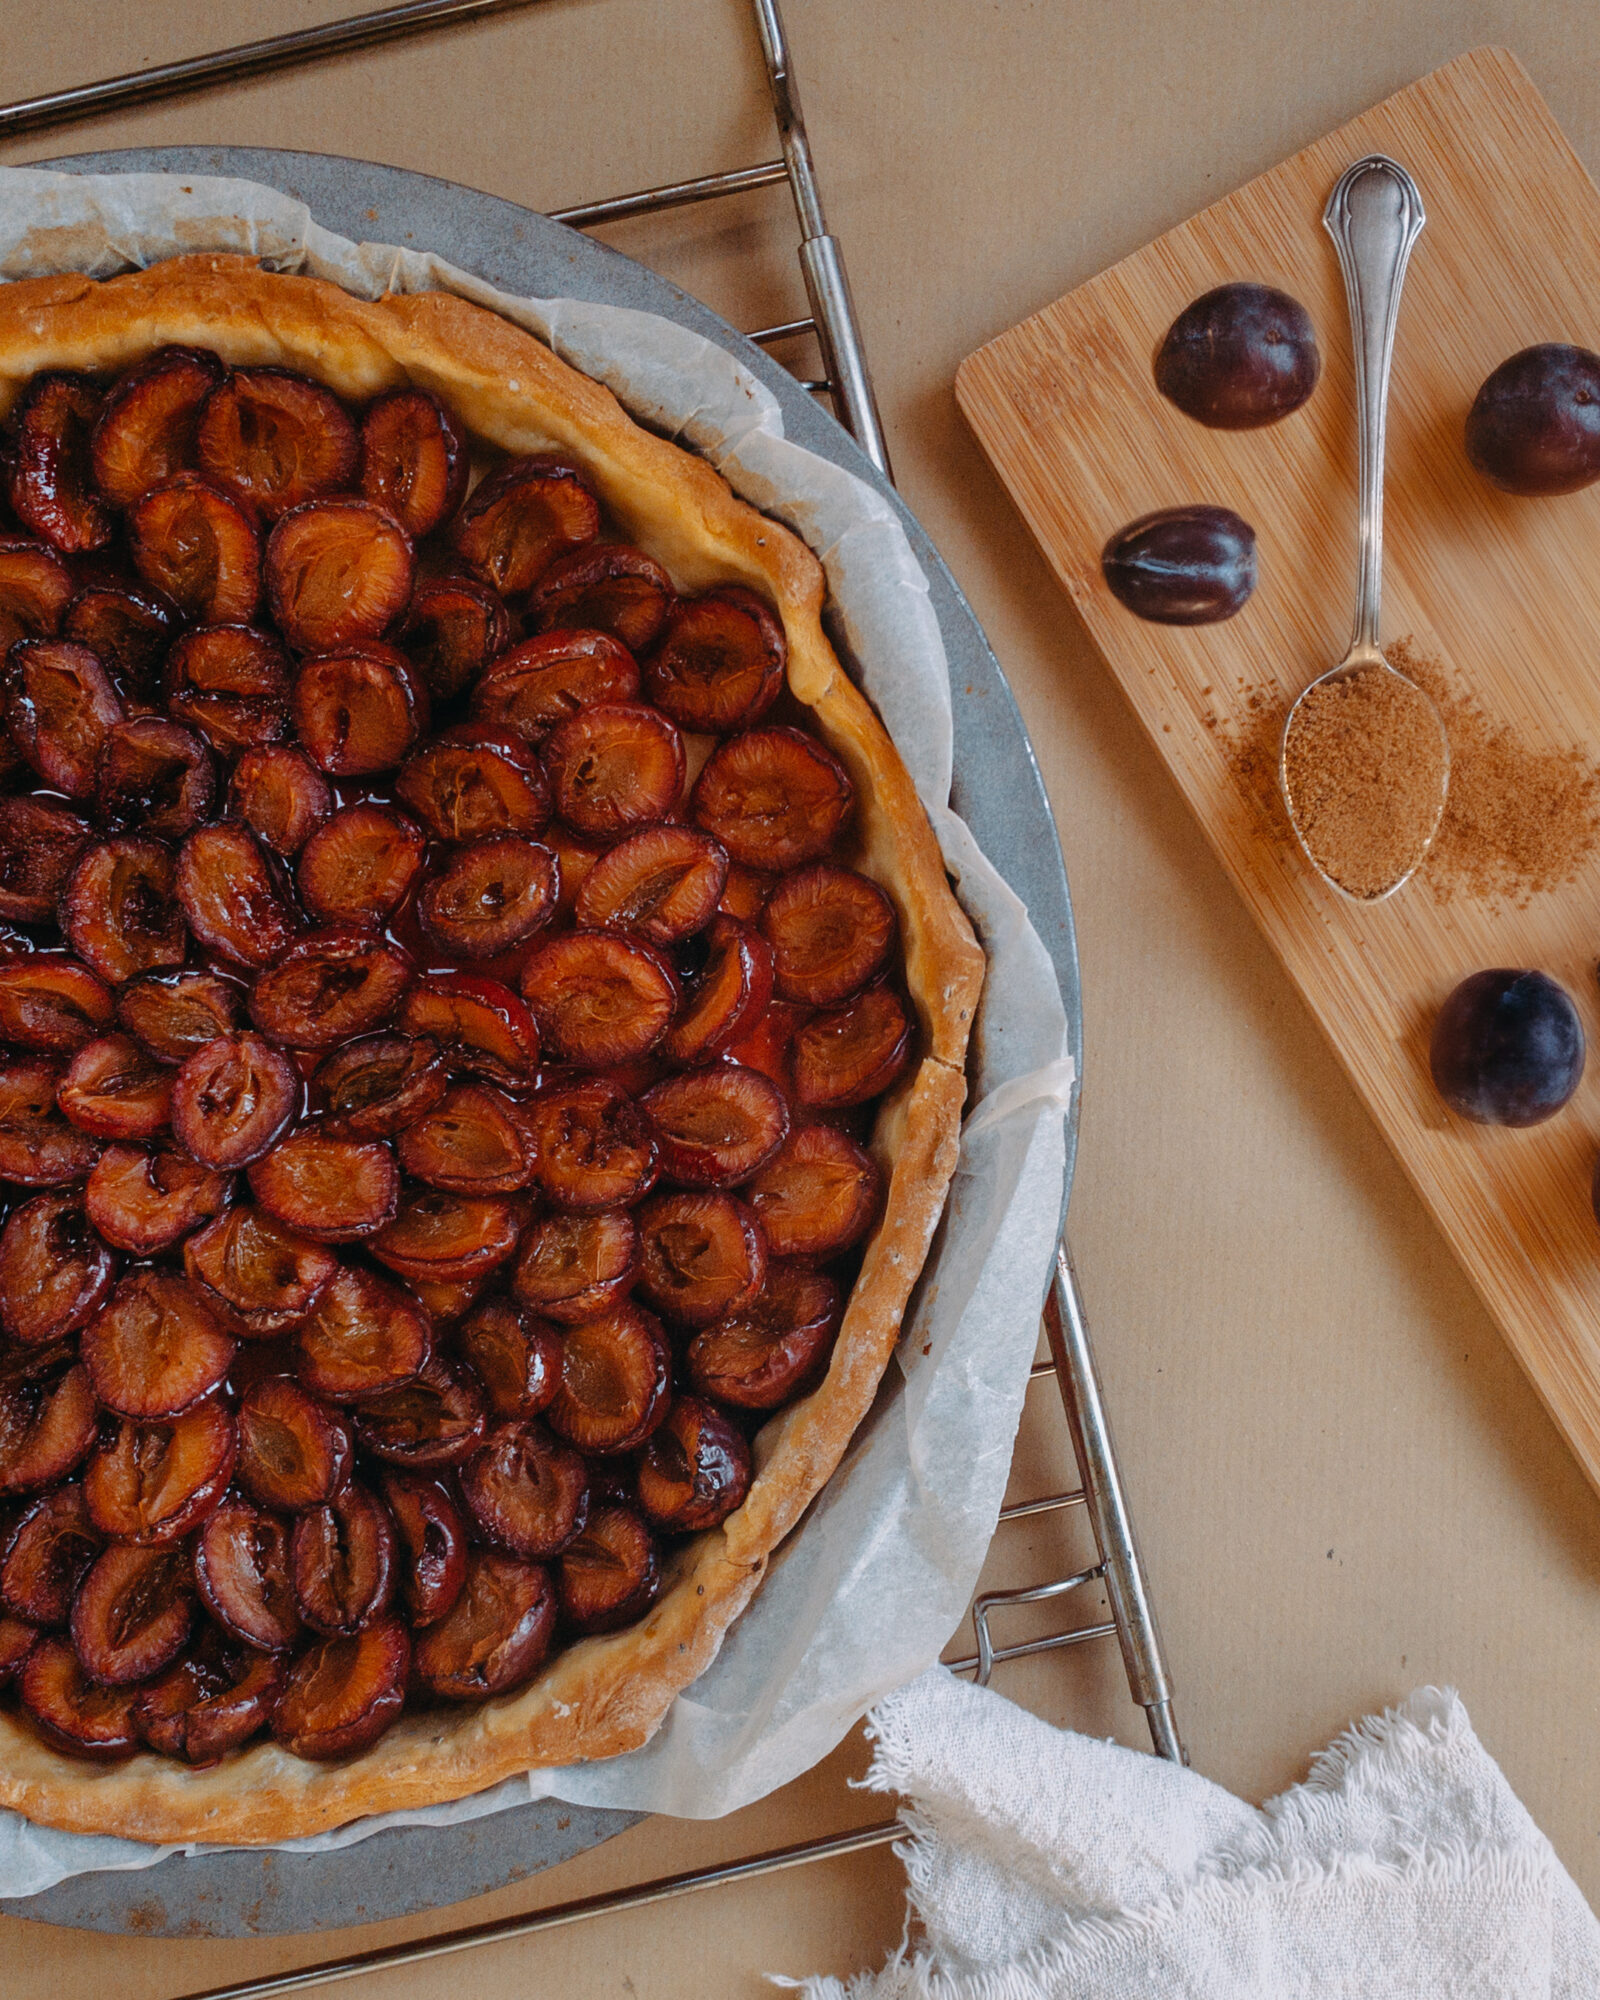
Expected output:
(997, 790)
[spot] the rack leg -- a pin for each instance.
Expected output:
(1067, 1329)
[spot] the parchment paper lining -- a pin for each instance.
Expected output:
(870, 1588)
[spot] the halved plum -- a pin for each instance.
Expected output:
(521, 518)
(660, 884)
(147, 1201)
(145, 432)
(38, 1148)
(721, 661)
(374, 1087)
(717, 1126)
(338, 572)
(154, 1482)
(442, 1237)
(526, 1490)
(477, 1024)
(38, 844)
(48, 1418)
(358, 710)
(774, 797)
(818, 1194)
(435, 1419)
(329, 987)
(695, 1470)
(241, 1564)
(852, 1053)
(233, 896)
(831, 932)
(490, 897)
(55, 1273)
(432, 1552)
(496, 1636)
(274, 439)
(35, 589)
(197, 545)
(263, 1277)
(60, 708)
(592, 1150)
(413, 459)
(726, 998)
(701, 1255)
(69, 1711)
(212, 1701)
(473, 1142)
(517, 1357)
(128, 627)
(342, 1561)
(468, 784)
(231, 682)
(295, 1451)
(611, 1574)
(342, 1694)
(332, 1189)
(606, 587)
(116, 1089)
(599, 999)
(771, 1349)
(454, 627)
(616, 1381)
(615, 767)
(572, 1267)
(174, 1014)
(48, 1551)
(132, 1614)
(156, 776)
(120, 908)
(156, 1349)
(447, 1300)
(50, 480)
(232, 1099)
(362, 1337)
(280, 795)
(358, 867)
(531, 688)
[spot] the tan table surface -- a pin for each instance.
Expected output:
(1344, 1485)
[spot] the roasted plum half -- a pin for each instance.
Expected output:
(852, 1053)
(70, 1711)
(213, 1700)
(489, 898)
(358, 866)
(338, 572)
(819, 1193)
(55, 1272)
(695, 1470)
(38, 1148)
(342, 1561)
(574, 1266)
(477, 1024)
(295, 1451)
(199, 547)
(701, 1255)
(606, 587)
(775, 797)
(766, 1352)
(431, 1544)
(527, 1491)
(232, 1099)
(231, 683)
(413, 459)
(175, 1014)
(156, 1349)
(154, 776)
(599, 999)
(363, 1337)
(145, 1201)
(830, 930)
(329, 987)
(46, 1555)
(49, 474)
(129, 627)
(720, 664)
(155, 1482)
(61, 706)
(592, 1149)
(358, 711)
(443, 1238)
(496, 1633)
(241, 1567)
(615, 767)
(515, 1355)
(716, 1126)
(469, 785)
(280, 795)
(474, 1141)
(661, 884)
(116, 1090)
(616, 1379)
(552, 677)
(377, 1085)
(132, 1614)
(39, 842)
(48, 1418)
(331, 1189)
(145, 432)
(122, 910)
(726, 999)
(453, 627)
(342, 1694)
(35, 590)
(262, 1277)
(274, 439)
(435, 1419)
(610, 1575)
(521, 518)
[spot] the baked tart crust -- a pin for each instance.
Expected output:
(601, 1696)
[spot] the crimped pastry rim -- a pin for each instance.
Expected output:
(603, 1696)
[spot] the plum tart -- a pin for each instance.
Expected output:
(482, 1037)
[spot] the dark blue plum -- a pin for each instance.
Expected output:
(1507, 1048)
(1534, 426)
(1240, 357)
(1184, 566)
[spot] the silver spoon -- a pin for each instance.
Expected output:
(1374, 216)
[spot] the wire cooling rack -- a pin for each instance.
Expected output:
(1069, 1364)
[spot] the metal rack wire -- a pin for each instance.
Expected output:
(846, 380)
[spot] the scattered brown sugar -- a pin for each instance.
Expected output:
(1520, 820)
(1365, 766)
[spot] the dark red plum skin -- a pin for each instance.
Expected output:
(1534, 426)
(1242, 356)
(1507, 1048)
(1183, 566)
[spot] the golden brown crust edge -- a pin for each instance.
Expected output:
(603, 1696)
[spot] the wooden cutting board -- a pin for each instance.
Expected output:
(1505, 592)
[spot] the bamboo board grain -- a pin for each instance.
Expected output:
(1505, 591)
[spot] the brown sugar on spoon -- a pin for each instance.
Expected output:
(1365, 766)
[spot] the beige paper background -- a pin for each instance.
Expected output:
(1343, 1484)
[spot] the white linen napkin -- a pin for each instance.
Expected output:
(1049, 1866)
